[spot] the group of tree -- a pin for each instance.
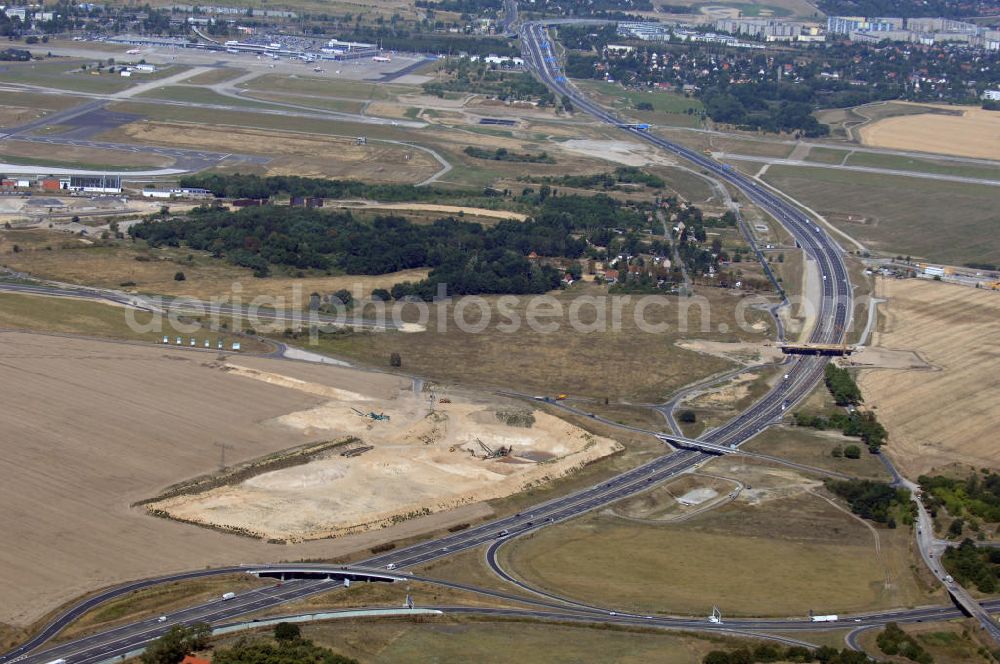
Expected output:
(977, 495)
(970, 564)
(857, 423)
(287, 647)
(466, 75)
(875, 501)
(502, 154)
(772, 652)
(177, 643)
(894, 641)
(763, 106)
(842, 386)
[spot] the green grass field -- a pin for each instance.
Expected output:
(814, 448)
(826, 155)
(795, 553)
(218, 75)
(65, 74)
(941, 221)
(669, 108)
(901, 163)
(199, 95)
(323, 103)
(325, 87)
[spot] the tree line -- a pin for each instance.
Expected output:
(256, 187)
(773, 652)
(842, 386)
(502, 154)
(623, 175)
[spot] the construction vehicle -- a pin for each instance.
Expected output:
(561, 397)
(378, 417)
(490, 453)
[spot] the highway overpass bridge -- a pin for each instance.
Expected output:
(699, 445)
(816, 349)
(314, 573)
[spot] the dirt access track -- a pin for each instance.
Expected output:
(954, 329)
(91, 427)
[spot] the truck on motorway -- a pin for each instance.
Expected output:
(830, 618)
(228, 596)
(57, 661)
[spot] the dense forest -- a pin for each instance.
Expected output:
(467, 257)
(977, 495)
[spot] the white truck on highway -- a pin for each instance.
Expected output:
(228, 596)
(830, 618)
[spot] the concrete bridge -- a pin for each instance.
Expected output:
(692, 444)
(332, 573)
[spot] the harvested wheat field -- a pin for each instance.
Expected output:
(428, 456)
(972, 132)
(955, 330)
(88, 428)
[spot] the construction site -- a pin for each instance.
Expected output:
(412, 452)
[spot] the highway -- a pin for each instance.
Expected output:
(834, 309)
(801, 377)
(832, 320)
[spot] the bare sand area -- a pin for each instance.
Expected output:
(949, 412)
(972, 132)
(428, 456)
(619, 152)
(743, 352)
(88, 428)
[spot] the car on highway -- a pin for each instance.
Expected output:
(391, 566)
